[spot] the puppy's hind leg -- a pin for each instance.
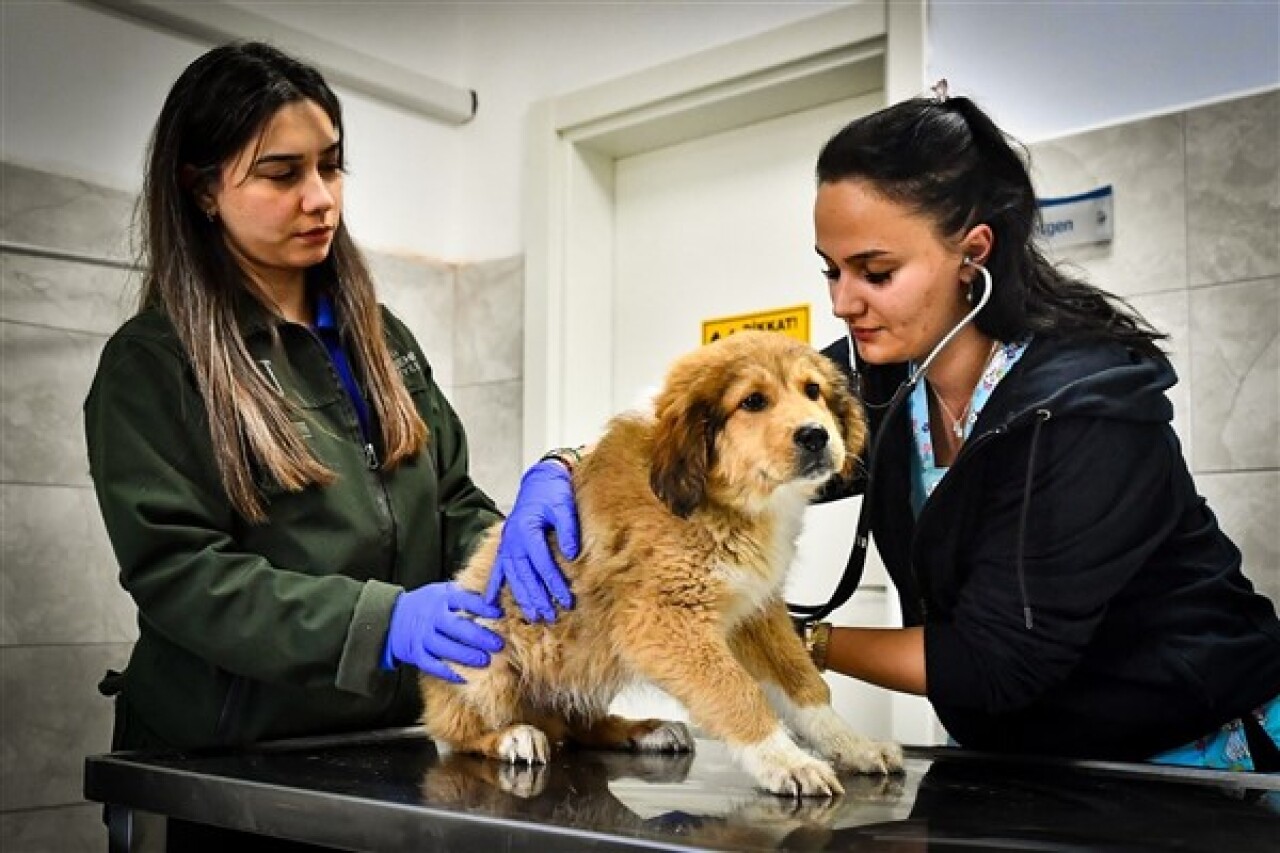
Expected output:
(614, 732)
(483, 717)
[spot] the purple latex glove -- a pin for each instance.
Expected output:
(545, 502)
(430, 625)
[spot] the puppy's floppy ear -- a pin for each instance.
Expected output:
(684, 447)
(848, 412)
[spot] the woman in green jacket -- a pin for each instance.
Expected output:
(285, 487)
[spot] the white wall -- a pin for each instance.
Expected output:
(515, 53)
(1054, 67)
(81, 88)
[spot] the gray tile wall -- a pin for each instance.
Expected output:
(469, 320)
(1197, 251)
(488, 371)
(63, 618)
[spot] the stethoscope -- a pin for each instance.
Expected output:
(805, 614)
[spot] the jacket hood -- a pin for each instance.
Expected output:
(1066, 377)
(1089, 378)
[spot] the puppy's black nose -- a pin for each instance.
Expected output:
(811, 437)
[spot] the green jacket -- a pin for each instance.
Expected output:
(253, 632)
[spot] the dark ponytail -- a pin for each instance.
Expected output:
(948, 161)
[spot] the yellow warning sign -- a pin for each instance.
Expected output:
(793, 322)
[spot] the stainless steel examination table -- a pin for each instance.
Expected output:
(392, 790)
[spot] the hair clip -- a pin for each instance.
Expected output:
(939, 90)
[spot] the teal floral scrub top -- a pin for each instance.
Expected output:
(925, 474)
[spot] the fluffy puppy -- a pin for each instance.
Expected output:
(689, 520)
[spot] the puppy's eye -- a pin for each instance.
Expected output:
(754, 402)
(812, 391)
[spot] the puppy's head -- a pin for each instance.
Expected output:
(750, 414)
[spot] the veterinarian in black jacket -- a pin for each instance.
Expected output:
(1065, 590)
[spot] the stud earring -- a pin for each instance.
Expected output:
(211, 213)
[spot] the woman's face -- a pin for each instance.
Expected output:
(280, 198)
(893, 281)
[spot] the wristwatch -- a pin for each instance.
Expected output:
(816, 637)
(569, 457)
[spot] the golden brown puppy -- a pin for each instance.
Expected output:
(689, 520)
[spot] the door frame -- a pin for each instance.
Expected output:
(575, 140)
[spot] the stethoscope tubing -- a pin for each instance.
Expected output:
(805, 614)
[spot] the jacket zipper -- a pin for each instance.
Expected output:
(373, 465)
(371, 462)
(382, 496)
(967, 450)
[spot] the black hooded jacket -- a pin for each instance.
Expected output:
(1078, 596)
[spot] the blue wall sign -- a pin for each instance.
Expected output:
(1077, 220)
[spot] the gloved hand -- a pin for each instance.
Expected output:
(429, 627)
(524, 562)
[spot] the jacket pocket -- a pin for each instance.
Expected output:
(112, 683)
(111, 686)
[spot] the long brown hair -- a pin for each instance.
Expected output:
(217, 106)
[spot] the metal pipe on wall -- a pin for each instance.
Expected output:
(215, 22)
(11, 247)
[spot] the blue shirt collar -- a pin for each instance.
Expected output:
(326, 316)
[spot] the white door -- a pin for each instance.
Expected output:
(723, 225)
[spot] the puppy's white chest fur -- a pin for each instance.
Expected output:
(752, 586)
(749, 589)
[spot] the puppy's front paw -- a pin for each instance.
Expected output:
(807, 777)
(783, 768)
(848, 750)
(523, 743)
(851, 752)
